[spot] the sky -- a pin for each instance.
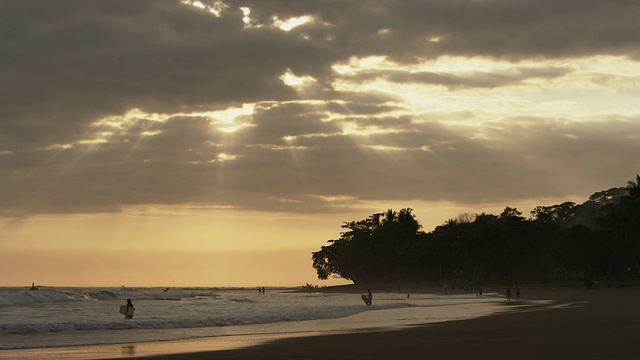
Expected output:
(219, 143)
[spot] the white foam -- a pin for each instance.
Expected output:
(67, 317)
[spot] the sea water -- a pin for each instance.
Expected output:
(60, 317)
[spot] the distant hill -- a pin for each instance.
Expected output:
(587, 213)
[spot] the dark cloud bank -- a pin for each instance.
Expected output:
(65, 65)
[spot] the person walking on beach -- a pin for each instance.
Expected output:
(508, 293)
(517, 293)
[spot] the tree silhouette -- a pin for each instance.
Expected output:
(634, 187)
(551, 245)
(382, 247)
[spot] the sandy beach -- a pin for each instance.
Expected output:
(601, 323)
(579, 324)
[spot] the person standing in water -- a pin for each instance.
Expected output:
(369, 296)
(129, 305)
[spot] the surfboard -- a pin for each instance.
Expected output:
(124, 310)
(365, 298)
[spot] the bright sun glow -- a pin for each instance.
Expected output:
(484, 88)
(232, 119)
(227, 120)
(291, 23)
(216, 8)
(609, 65)
(246, 16)
(355, 64)
(292, 80)
(230, 114)
(225, 157)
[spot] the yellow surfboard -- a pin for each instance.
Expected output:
(124, 310)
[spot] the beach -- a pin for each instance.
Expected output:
(549, 321)
(579, 324)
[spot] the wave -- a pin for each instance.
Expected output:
(198, 320)
(30, 297)
(58, 310)
(17, 297)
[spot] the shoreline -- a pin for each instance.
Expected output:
(573, 322)
(587, 324)
(384, 319)
(597, 307)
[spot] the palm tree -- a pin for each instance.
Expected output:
(626, 218)
(389, 216)
(408, 221)
(634, 187)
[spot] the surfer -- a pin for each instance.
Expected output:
(129, 305)
(33, 286)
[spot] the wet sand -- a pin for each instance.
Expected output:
(142, 350)
(600, 323)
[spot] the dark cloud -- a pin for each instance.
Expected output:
(289, 120)
(476, 79)
(64, 65)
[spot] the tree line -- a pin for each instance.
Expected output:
(597, 239)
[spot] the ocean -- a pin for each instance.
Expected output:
(66, 317)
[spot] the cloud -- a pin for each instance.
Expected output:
(107, 105)
(473, 79)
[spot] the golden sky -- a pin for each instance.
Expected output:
(219, 143)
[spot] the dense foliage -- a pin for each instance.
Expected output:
(599, 238)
